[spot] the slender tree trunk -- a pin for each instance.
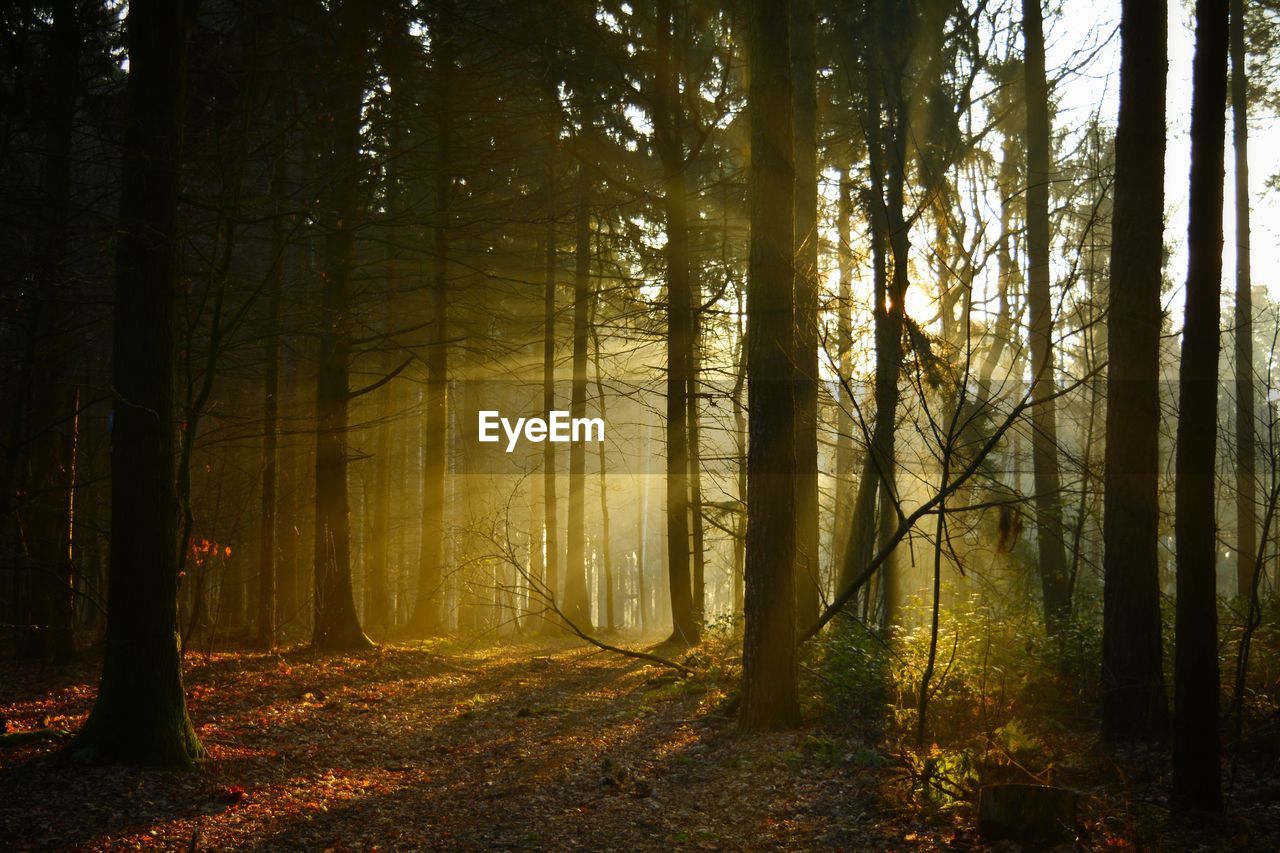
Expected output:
(844, 346)
(606, 546)
(671, 153)
(698, 541)
(427, 619)
(1197, 783)
(769, 667)
(550, 514)
(804, 69)
(47, 524)
(1044, 418)
(1134, 704)
(140, 715)
(337, 625)
(268, 552)
(577, 597)
(1246, 441)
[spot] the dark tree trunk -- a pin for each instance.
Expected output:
(606, 546)
(47, 523)
(140, 715)
(671, 153)
(1246, 440)
(268, 551)
(696, 526)
(337, 626)
(577, 597)
(1044, 419)
(550, 514)
(804, 77)
(1197, 783)
(769, 692)
(427, 618)
(844, 346)
(1134, 704)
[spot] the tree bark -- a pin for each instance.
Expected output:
(1246, 440)
(805, 136)
(769, 666)
(1197, 781)
(427, 619)
(577, 597)
(1044, 419)
(671, 153)
(337, 625)
(1134, 703)
(140, 715)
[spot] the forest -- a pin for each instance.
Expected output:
(640, 424)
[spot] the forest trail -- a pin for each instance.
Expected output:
(532, 746)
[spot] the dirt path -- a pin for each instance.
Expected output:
(523, 747)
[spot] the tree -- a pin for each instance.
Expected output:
(804, 77)
(337, 625)
(1054, 583)
(577, 600)
(1134, 704)
(140, 715)
(769, 692)
(1246, 441)
(1197, 781)
(427, 619)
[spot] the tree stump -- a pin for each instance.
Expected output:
(1027, 813)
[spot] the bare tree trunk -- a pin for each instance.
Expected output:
(1134, 704)
(606, 546)
(769, 666)
(337, 626)
(427, 619)
(671, 153)
(1044, 418)
(577, 597)
(1197, 782)
(1246, 441)
(140, 715)
(804, 70)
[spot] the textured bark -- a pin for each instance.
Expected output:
(844, 346)
(1246, 438)
(1054, 584)
(140, 715)
(577, 598)
(427, 619)
(805, 138)
(46, 523)
(337, 625)
(550, 522)
(1197, 783)
(769, 692)
(1134, 703)
(675, 209)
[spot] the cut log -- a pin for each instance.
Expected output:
(1027, 813)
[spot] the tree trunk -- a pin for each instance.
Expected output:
(550, 520)
(140, 715)
(804, 78)
(1134, 704)
(1044, 419)
(606, 546)
(671, 153)
(337, 626)
(844, 346)
(1246, 441)
(47, 528)
(769, 691)
(427, 619)
(1197, 781)
(577, 597)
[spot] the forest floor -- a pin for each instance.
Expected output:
(547, 745)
